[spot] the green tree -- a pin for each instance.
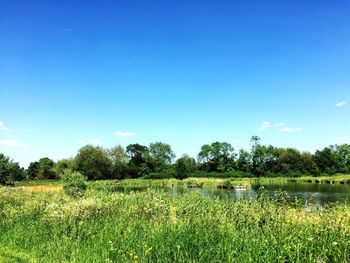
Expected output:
(326, 160)
(119, 160)
(160, 156)
(61, 165)
(264, 158)
(33, 170)
(342, 157)
(255, 154)
(289, 160)
(10, 171)
(46, 170)
(308, 163)
(217, 157)
(93, 162)
(244, 161)
(184, 166)
(138, 155)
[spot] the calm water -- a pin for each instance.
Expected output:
(310, 194)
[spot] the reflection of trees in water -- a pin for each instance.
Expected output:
(313, 196)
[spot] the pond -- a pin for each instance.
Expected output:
(313, 195)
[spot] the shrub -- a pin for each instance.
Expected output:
(74, 183)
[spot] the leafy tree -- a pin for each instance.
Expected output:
(119, 160)
(43, 169)
(289, 160)
(342, 156)
(244, 161)
(255, 142)
(62, 165)
(184, 166)
(217, 157)
(308, 163)
(93, 162)
(161, 155)
(326, 160)
(9, 170)
(138, 155)
(33, 170)
(46, 170)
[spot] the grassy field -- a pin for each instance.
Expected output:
(153, 226)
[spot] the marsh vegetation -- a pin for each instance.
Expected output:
(154, 226)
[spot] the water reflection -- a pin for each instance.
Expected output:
(311, 194)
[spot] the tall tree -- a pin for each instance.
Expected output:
(326, 160)
(93, 162)
(63, 165)
(342, 156)
(264, 158)
(309, 164)
(289, 160)
(161, 155)
(218, 157)
(138, 155)
(9, 170)
(244, 161)
(33, 170)
(184, 166)
(46, 170)
(119, 160)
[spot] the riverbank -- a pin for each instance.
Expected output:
(198, 182)
(142, 226)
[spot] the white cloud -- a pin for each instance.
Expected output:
(124, 134)
(289, 129)
(264, 126)
(3, 127)
(12, 143)
(92, 141)
(341, 103)
(279, 124)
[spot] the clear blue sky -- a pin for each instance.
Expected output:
(182, 72)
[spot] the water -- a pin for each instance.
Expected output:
(313, 195)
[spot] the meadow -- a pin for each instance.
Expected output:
(153, 226)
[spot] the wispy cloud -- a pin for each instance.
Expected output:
(67, 29)
(279, 126)
(289, 129)
(341, 103)
(12, 143)
(264, 126)
(124, 134)
(92, 141)
(3, 127)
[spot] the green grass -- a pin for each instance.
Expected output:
(154, 226)
(13, 256)
(38, 182)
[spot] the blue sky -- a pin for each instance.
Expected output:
(182, 72)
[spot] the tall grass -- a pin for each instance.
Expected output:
(154, 226)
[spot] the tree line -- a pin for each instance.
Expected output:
(158, 161)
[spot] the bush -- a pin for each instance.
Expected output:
(74, 183)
